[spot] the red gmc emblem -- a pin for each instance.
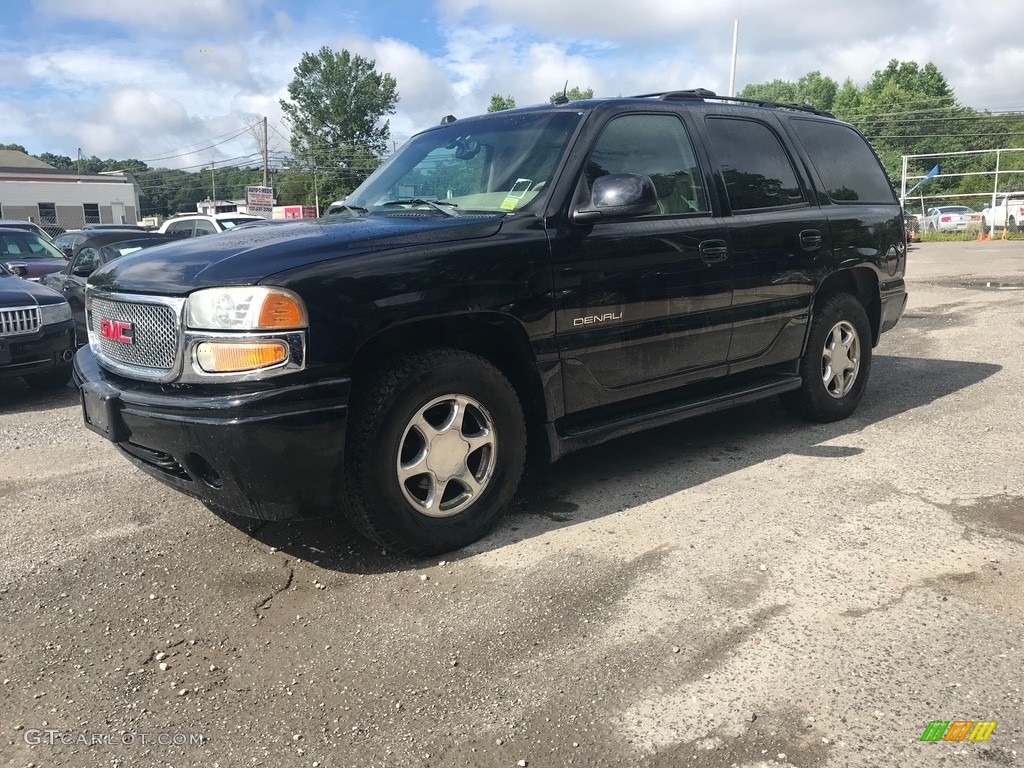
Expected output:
(117, 330)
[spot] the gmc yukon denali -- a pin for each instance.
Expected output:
(549, 277)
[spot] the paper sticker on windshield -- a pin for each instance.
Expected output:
(517, 193)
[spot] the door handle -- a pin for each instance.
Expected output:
(712, 251)
(810, 240)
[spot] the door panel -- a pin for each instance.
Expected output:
(642, 304)
(778, 235)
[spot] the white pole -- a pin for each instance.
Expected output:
(732, 69)
(992, 209)
(903, 189)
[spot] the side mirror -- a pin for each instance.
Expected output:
(618, 196)
(19, 268)
(82, 271)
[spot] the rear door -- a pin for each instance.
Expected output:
(780, 236)
(643, 302)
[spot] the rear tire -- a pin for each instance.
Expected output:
(836, 364)
(435, 451)
(1012, 225)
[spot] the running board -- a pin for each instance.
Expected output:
(595, 433)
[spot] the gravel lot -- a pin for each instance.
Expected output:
(742, 590)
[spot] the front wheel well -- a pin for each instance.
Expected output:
(496, 337)
(862, 283)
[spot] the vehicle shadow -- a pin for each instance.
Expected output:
(704, 449)
(16, 396)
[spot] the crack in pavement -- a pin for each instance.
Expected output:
(265, 601)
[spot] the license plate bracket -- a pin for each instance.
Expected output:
(101, 411)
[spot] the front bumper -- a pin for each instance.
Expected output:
(273, 453)
(41, 352)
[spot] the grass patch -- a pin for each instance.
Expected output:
(966, 235)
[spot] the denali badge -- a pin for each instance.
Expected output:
(590, 320)
(117, 330)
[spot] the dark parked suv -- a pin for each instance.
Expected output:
(549, 277)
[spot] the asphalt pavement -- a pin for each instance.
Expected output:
(738, 590)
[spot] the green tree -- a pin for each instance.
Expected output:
(336, 105)
(574, 94)
(14, 147)
(814, 88)
(499, 103)
(57, 161)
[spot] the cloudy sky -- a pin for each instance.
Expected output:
(171, 81)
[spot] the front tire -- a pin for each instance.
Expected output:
(436, 448)
(836, 364)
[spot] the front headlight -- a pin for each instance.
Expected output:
(51, 314)
(245, 308)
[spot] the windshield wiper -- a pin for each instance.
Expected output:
(437, 205)
(353, 209)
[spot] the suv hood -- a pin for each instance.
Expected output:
(250, 255)
(18, 292)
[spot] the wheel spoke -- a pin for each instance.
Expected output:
(410, 469)
(479, 440)
(425, 428)
(459, 420)
(433, 497)
(470, 483)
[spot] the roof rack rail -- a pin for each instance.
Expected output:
(704, 94)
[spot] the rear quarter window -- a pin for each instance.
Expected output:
(845, 163)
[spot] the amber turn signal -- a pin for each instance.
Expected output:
(281, 311)
(235, 356)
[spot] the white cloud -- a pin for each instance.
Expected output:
(197, 17)
(166, 89)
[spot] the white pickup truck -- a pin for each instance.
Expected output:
(1008, 212)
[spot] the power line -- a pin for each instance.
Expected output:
(201, 149)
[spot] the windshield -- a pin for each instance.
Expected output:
(25, 245)
(495, 164)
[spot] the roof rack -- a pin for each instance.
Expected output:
(703, 94)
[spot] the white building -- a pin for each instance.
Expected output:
(32, 190)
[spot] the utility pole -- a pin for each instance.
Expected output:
(79, 161)
(265, 152)
(213, 187)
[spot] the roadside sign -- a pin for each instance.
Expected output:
(259, 201)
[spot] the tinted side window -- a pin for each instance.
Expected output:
(88, 258)
(181, 228)
(757, 170)
(204, 227)
(657, 146)
(847, 166)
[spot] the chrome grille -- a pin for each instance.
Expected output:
(19, 320)
(154, 329)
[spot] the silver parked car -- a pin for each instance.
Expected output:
(949, 218)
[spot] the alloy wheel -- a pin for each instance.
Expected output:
(447, 454)
(840, 361)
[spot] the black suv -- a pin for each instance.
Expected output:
(553, 276)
